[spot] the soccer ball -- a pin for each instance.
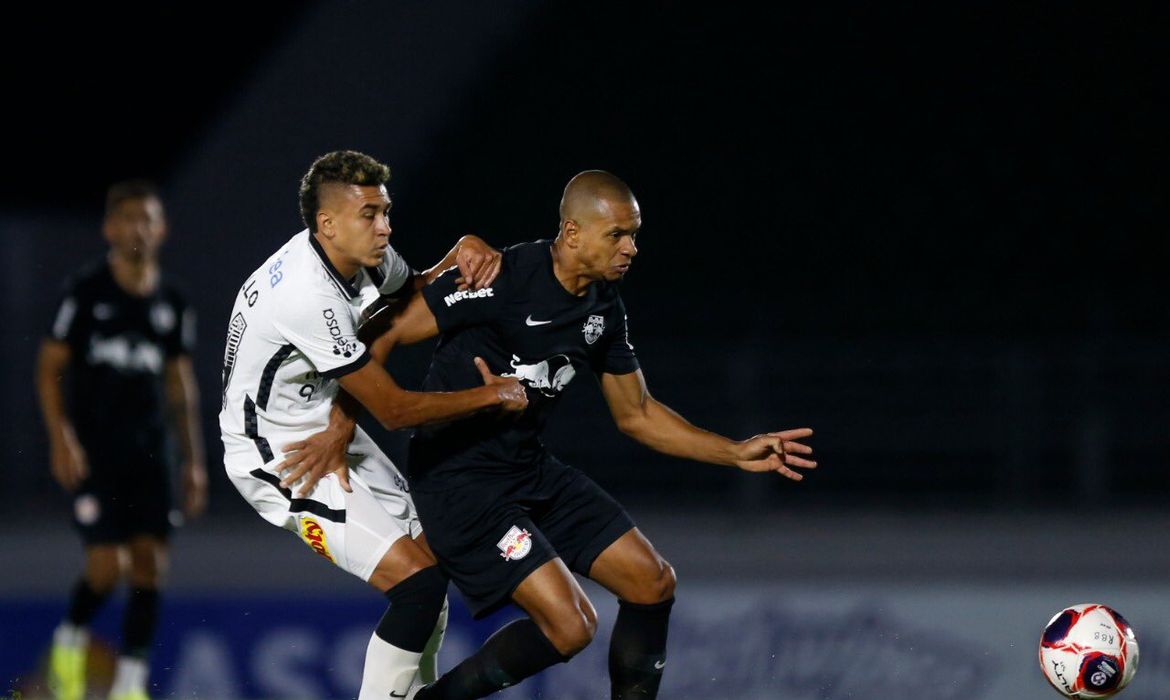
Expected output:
(1088, 651)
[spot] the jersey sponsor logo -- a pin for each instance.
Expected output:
(162, 317)
(456, 297)
(549, 377)
(516, 544)
(593, 328)
(530, 322)
(235, 334)
(314, 536)
(342, 346)
(126, 356)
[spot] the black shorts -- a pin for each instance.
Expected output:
(488, 537)
(113, 506)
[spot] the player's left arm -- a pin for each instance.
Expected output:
(183, 402)
(656, 425)
(478, 264)
(324, 452)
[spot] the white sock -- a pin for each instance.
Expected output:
(428, 666)
(70, 635)
(129, 676)
(389, 671)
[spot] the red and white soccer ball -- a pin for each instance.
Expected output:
(1088, 651)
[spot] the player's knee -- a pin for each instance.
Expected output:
(655, 586)
(572, 632)
(103, 578)
(665, 582)
(148, 566)
(103, 571)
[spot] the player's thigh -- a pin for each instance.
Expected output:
(634, 571)
(404, 559)
(353, 530)
(555, 602)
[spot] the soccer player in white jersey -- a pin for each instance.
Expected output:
(291, 346)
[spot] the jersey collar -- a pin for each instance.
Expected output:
(342, 283)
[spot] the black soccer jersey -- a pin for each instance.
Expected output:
(525, 325)
(119, 345)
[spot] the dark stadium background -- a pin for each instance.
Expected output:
(936, 233)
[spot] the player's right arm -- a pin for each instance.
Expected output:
(398, 323)
(395, 407)
(321, 328)
(67, 459)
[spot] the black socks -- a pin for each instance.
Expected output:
(84, 603)
(515, 652)
(414, 606)
(139, 622)
(637, 650)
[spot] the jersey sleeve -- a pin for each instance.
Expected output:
(395, 273)
(454, 309)
(618, 356)
(322, 329)
(69, 319)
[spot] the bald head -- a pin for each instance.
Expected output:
(591, 194)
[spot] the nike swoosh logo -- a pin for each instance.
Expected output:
(659, 665)
(530, 322)
(397, 695)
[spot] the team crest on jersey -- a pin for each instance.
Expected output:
(314, 536)
(516, 544)
(593, 328)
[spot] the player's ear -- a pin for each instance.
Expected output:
(325, 223)
(571, 232)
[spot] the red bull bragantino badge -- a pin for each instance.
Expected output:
(516, 544)
(314, 536)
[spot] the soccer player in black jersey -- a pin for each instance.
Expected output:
(123, 337)
(508, 521)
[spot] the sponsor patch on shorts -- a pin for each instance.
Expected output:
(314, 536)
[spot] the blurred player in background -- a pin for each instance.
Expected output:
(292, 346)
(122, 340)
(505, 518)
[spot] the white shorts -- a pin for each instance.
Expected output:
(352, 530)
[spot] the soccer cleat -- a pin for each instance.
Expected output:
(67, 672)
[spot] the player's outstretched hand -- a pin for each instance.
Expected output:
(776, 452)
(509, 389)
(68, 462)
(478, 262)
(312, 458)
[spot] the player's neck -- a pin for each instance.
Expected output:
(137, 277)
(345, 266)
(568, 272)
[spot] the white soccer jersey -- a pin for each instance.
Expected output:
(293, 332)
